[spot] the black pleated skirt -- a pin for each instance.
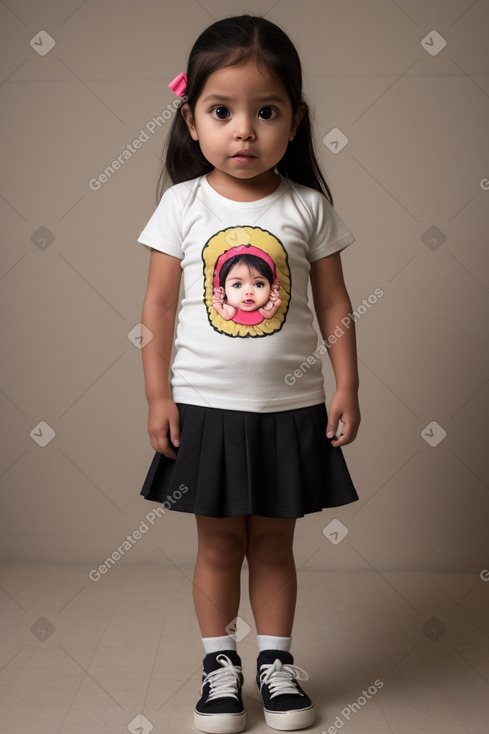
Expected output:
(233, 462)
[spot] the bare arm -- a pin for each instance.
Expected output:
(332, 304)
(159, 310)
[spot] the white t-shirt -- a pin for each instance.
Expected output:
(245, 325)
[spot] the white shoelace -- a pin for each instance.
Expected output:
(280, 678)
(224, 681)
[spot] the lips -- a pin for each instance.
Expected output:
(243, 154)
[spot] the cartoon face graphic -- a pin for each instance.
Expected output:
(246, 288)
(247, 282)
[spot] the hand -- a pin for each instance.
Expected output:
(273, 305)
(343, 406)
(224, 310)
(164, 426)
(275, 292)
(218, 296)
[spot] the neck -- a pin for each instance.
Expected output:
(238, 189)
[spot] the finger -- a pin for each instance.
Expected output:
(347, 435)
(342, 440)
(175, 432)
(161, 444)
(167, 450)
(332, 426)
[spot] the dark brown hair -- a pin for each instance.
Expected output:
(252, 261)
(231, 42)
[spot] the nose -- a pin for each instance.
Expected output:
(244, 129)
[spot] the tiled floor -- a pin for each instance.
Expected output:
(82, 656)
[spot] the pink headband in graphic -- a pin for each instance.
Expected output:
(242, 250)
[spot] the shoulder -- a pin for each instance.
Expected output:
(325, 230)
(311, 197)
(181, 191)
(310, 205)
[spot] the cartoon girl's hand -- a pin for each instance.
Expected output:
(274, 303)
(224, 310)
(218, 296)
(275, 294)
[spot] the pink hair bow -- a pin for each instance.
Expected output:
(179, 85)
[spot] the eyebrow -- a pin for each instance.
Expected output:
(261, 100)
(254, 277)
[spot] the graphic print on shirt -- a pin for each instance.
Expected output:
(246, 282)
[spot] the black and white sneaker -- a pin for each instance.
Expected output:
(285, 704)
(220, 709)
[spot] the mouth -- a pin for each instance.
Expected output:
(243, 155)
(249, 302)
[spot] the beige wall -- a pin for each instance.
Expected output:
(416, 160)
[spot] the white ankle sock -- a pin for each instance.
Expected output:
(216, 644)
(268, 642)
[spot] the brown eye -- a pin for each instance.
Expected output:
(221, 113)
(267, 113)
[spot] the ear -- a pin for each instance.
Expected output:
(189, 119)
(296, 121)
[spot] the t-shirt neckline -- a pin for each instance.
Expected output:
(264, 201)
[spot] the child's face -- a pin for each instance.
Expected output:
(246, 289)
(242, 110)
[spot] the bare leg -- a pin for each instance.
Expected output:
(222, 544)
(272, 574)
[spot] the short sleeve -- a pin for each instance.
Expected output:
(329, 234)
(163, 232)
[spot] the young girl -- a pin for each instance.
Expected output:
(242, 438)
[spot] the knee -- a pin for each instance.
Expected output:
(269, 549)
(223, 551)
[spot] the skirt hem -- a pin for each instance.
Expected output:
(232, 463)
(261, 512)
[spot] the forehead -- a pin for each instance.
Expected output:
(246, 81)
(241, 270)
